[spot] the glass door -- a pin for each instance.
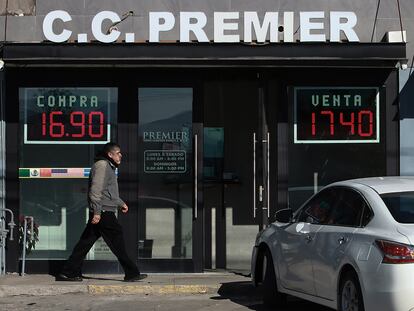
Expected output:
(236, 158)
(166, 187)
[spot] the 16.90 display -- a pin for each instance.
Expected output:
(66, 115)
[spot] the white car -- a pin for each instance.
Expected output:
(349, 247)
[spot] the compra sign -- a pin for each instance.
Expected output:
(312, 26)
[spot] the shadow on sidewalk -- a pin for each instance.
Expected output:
(85, 277)
(245, 294)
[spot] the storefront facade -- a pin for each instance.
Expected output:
(225, 113)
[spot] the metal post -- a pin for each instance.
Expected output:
(24, 246)
(3, 232)
(3, 236)
(315, 182)
(24, 239)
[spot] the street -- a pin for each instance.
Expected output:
(84, 302)
(235, 296)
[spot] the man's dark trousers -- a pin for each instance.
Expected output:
(111, 231)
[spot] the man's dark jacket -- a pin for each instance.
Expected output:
(103, 194)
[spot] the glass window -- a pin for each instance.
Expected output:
(165, 172)
(329, 140)
(349, 210)
(61, 131)
(317, 210)
(400, 205)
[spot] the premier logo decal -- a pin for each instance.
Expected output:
(225, 24)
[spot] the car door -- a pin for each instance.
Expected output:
(334, 238)
(297, 243)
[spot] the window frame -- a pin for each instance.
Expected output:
(367, 208)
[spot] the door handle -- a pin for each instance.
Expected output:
(342, 240)
(308, 238)
(254, 175)
(261, 189)
(268, 175)
(195, 176)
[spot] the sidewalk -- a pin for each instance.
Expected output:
(154, 284)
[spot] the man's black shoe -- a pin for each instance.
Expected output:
(63, 277)
(135, 278)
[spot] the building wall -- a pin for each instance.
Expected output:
(25, 17)
(28, 28)
(375, 18)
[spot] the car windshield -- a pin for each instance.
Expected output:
(400, 205)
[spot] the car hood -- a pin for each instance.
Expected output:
(408, 231)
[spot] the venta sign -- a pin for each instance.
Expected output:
(225, 24)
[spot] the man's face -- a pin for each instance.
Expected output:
(115, 155)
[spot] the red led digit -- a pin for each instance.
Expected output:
(313, 124)
(60, 128)
(44, 124)
(331, 120)
(371, 125)
(350, 123)
(80, 123)
(101, 124)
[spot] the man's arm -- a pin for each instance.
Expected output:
(97, 186)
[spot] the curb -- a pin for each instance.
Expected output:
(151, 289)
(52, 290)
(44, 290)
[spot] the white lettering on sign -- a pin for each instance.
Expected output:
(225, 26)
(221, 26)
(306, 26)
(336, 100)
(197, 27)
(67, 101)
(347, 27)
(270, 24)
(150, 136)
(155, 25)
(48, 26)
(113, 34)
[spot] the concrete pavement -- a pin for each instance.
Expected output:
(159, 284)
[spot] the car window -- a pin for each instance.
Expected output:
(400, 205)
(349, 210)
(317, 210)
(366, 216)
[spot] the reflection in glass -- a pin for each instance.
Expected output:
(165, 172)
(314, 165)
(54, 171)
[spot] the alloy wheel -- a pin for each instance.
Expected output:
(350, 300)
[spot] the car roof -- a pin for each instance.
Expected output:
(386, 184)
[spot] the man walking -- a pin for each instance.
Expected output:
(104, 200)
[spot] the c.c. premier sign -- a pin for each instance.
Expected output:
(312, 26)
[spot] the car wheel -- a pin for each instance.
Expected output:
(350, 295)
(271, 296)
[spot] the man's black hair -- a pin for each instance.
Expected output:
(103, 153)
(108, 147)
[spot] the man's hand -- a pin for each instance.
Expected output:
(95, 219)
(124, 208)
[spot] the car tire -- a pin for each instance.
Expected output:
(271, 296)
(350, 294)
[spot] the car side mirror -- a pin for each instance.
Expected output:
(284, 215)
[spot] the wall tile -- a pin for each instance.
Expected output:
(21, 28)
(141, 8)
(73, 7)
(2, 28)
(257, 6)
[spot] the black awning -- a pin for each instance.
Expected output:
(207, 54)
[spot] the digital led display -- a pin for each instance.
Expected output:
(336, 115)
(66, 115)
